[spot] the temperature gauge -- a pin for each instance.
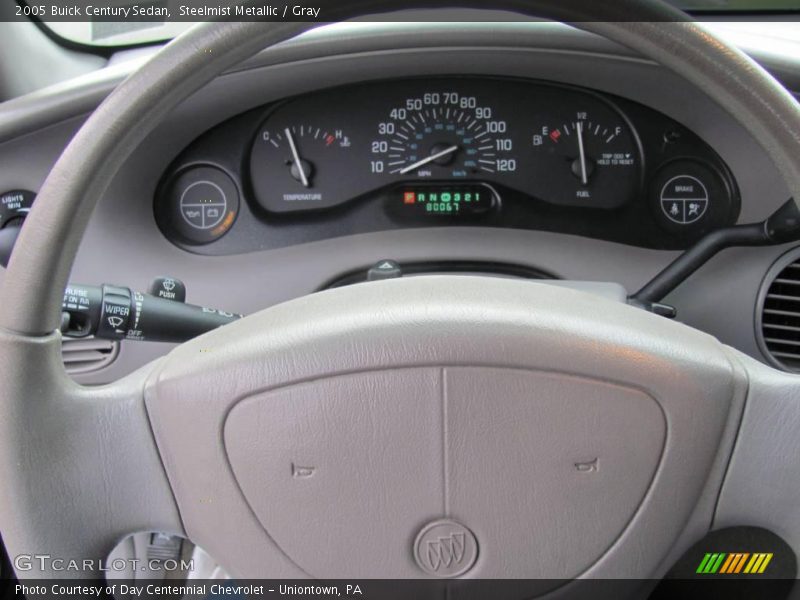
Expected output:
(298, 166)
(592, 163)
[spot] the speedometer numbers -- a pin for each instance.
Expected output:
(442, 135)
(589, 162)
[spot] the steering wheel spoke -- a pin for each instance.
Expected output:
(79, 466)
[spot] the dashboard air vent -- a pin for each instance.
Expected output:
(779, 313)
(88, 354)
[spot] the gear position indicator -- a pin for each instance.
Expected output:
(684, 199)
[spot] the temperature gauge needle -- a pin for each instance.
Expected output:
(582, 153)
(296, 157)
(428, 159)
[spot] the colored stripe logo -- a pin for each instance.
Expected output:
(734, 563)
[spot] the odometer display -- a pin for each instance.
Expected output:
(443, 200)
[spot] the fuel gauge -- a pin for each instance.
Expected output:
(591, 163)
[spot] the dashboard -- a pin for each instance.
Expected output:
(542, 150)
(450, 150)
(264, 237)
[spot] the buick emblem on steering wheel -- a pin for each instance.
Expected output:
(445, 548)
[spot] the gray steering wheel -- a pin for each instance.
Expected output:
(413, 404)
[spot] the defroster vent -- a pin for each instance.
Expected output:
(84, 355)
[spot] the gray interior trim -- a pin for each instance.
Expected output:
(761, 486)
(49, 242)
(83, 471)
(29, 60)
(82, 94)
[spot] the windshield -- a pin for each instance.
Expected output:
(160, 20)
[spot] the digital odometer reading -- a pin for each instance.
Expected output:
(445, 200)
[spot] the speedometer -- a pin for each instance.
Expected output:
(442, 135)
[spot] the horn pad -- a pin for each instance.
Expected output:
(545, 469)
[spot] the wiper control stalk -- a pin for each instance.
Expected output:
(118, 313)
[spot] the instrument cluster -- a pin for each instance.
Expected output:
(443, 151)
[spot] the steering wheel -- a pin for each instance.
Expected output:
(364, 431)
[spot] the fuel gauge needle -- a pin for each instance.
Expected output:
(584, 176)
(296, 157)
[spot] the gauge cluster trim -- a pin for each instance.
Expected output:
(359, 142)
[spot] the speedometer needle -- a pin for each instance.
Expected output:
(428, 159)
(584, 177)
(296, 157)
